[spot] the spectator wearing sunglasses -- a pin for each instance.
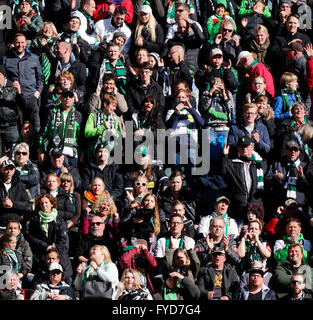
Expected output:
(298, 289)
(28, 171)
(60, 133)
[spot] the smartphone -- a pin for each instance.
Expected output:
(217, 81)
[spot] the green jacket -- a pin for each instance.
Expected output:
(214, 22)
(246, 6)
(282, 254)
(46, 134)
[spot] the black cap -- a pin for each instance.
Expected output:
(29, 1)
(218, 250)
(68, 90)
(257, 270)
(167, 270)
(101, 146)
(292, 144)
(244, 141)
(56, 152)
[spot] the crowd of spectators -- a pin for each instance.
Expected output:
(108, 111)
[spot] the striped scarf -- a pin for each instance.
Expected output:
(46, 218)
(120, 73)
(259, 170)
(45, 66)
(227, 222)
(291, 184)
(284, 94)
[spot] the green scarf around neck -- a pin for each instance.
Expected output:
(284, 94)
(46, 218)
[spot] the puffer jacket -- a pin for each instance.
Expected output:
(267, 293)
(43, 289)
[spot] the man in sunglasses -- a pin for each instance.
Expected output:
(14, 200)
(61, 130)
(96, 236)
(298, 289)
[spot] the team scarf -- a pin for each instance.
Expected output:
(90, 271)
(120, 73)
(303, 145)
(92, 197)
(170, 294)
(64, 132)
(20, 22)
(284, 94)
(218, 104)
(259, 170)
(45, 218)
(291, 183)
(90, 23)
(227, 222)
(13, 259)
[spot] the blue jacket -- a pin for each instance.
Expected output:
(278, 106)
(262, 147)
(27, 70)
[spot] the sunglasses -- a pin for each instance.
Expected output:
(24, 153)
(92, 224)
(67, 95)
(65, 180)
(228, 30)
(138, 184)
(179, 10)
(296, 282)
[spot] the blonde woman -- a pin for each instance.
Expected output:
(99, 268)
(130, 288)
(148, 33)
(43, 45)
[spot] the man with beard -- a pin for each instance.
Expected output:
(298, 289)
(95, 236)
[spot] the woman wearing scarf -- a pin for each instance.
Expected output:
(288, 96)
(130, 287)
(99, 268)
(11, 257)
(47, 230)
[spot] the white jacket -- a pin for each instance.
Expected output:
(106, 30)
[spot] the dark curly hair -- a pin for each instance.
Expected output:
(256, 209)
(51, 198)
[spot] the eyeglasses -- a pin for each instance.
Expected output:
(228, 30)
(174, 223)
(138, 184)
(24, 153)
(179, 10)
(255, 276)
(92, 224)
(67, 95)
(66, 180)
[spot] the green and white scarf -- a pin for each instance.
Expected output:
(227, 222)
(291, 183)
(284, 94)
(45, 218)
(170, 294)
(120, 73)
(13, 259)
(259, 170)
(64, 132)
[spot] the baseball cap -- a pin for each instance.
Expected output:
(145, 8)
(218, 250)
(119, 34)
(29, 1)
(55, 266)
(257, 270)
(244, 141)
(56, 152)
(68, 91)
(101, 146)
(285, 1)
(219, 199)
(143, 150)
(243, 54)
(7, 163)
(291, 203)
(292, 144)
(294, 46)
(215, 52)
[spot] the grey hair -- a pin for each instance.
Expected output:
(21, 145)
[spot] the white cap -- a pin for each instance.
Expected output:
(243, 54)
(215, 52)
(55, 266)
(145, 8)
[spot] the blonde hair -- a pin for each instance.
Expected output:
(261, 28)
(66, 175)
(188, 263)
(286, 78)
(250, 105)
(156, 217)
(137, 283)
(306, 132)
(150, 25)
(105, 251)
(55, 33)
(20, 146)
(104, 197)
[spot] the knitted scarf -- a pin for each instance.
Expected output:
(120, 73)
(64, 132)
(284, 94)
(89, 271)
(291, 183)
(259, 170)
(20, 22)
(13, 259)
(90, 23)
(260, 49)
(46, 217)
(45, 63)
(170, 294)
(92, 197)
(216, 109)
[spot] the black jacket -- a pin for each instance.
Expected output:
(111, 176)
(206, 280)
(233, 173)
(18, 195)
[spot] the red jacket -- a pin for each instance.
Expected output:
(309, 81)
(103, 5)
(259, 69)
(127, 260)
